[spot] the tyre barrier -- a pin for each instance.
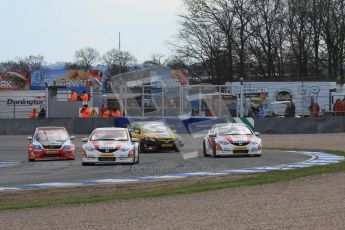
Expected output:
(317, 159)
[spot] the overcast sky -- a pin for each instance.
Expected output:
(56, 28)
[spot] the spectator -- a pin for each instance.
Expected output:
(253, 110)
(262, 96)
(93, 113)
(84, 97)
(261, 112)
(342, 107)
(33, 113)
(42, 113)
(73, 96)
(85, 111)
(315, 109)
(105, 112)
(292, 108)
(288, 110)
(337, 107)
(209, 113)
(116, 113)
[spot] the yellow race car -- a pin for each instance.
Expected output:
(155, 136)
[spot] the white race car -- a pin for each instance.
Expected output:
(231, 139)
(110, 145)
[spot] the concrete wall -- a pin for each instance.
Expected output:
(264, 126)
(300, 125)
(73, 125)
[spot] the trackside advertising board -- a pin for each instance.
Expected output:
(73, 79)
(14, 80)
(19, 103)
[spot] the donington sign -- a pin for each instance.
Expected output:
(19, 103)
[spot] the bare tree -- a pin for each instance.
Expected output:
(12, 66)
(72, 65)
(281, 38)
(244, 12)
(220, 14)
(86, 57)
(333, 33)
(118, 61)
(34, 62)
(315, 15)
(177, 62)
(201, 40)
(29, 64)
(300, 34)
(269, 33)
(155, 60)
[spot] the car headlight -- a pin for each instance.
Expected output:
(37, 147)
(67, 148)
(223, 142)
(150, 139)
(126, 149)
(89, 147)
(131, 154)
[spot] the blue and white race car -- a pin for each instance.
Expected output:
(110, 145)
(229, 139)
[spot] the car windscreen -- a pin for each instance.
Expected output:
(51, 135)
(104, 135)
(234, 130)
(155, 128)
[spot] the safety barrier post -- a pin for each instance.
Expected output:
(241, 99)
(162, 102)
(14, 111)
(200, 100)
(142, 101)
(219, 102)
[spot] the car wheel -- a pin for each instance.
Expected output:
(257, 155)
(178, 149)
(86, 163)
(137, 161)
(141, 148)
(204, 148)
(214, 150)
(31, 160)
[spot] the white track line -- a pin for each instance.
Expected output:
(316, 158)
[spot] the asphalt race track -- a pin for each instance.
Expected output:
(13, 150)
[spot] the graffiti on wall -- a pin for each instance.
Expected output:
(283, 94)
(307, 93)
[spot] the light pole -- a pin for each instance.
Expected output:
(119, 40)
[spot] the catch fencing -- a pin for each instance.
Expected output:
(215, 100)
(181, 101)
(196, 100)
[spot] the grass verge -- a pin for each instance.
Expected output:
(254, 179)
